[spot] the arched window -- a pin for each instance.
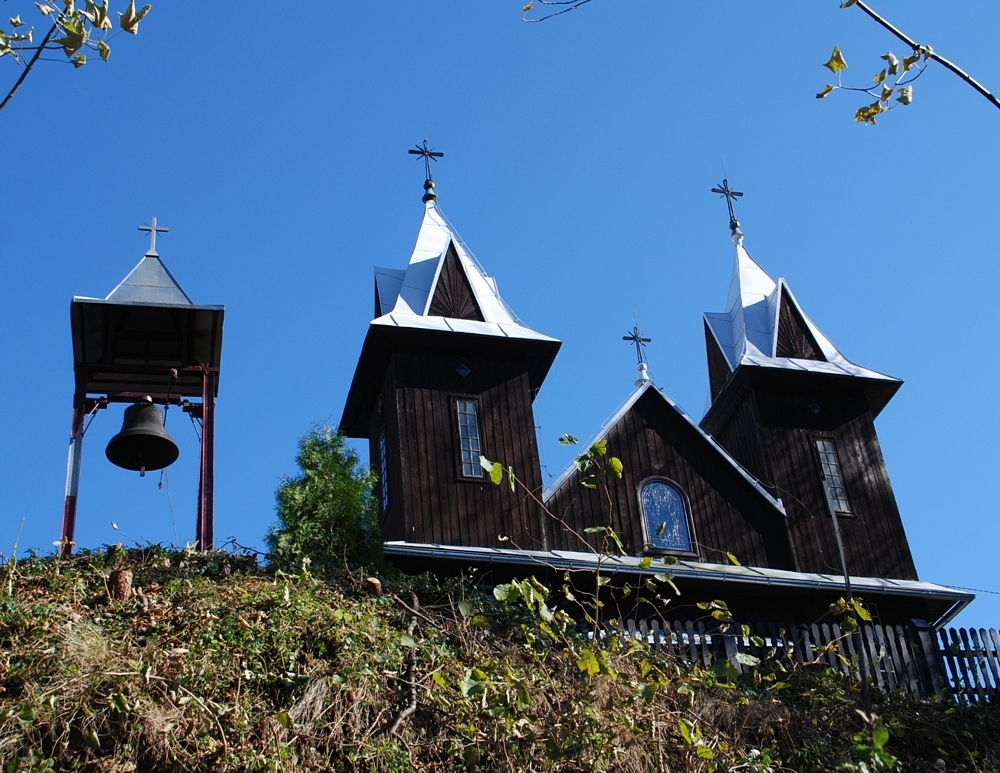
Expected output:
(665, 517)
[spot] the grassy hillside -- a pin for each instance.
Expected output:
(208, 662)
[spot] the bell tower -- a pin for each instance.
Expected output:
(447, 374)
(799, 416)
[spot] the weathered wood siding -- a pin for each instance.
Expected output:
(652, 439)
(430, 499)
(874, 540)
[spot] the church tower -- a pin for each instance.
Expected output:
(447, 373)
(799, 416)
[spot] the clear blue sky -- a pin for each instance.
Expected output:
(580, 154)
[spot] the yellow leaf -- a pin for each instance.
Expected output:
(529, 6)
(826, 90)
(886, 93)
(909, 61)
(905, 95)
(848, 3)
(880, 77)
(926, 51)
(837, 61)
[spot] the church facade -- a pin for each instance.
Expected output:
(746, 504)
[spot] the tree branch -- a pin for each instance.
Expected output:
(27, 69)
(930, 54)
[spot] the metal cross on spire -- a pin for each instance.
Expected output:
(429, 154)
(640, 343)
(153, 229)
(730, 194)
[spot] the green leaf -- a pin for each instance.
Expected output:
(746, 659)
(880, 736)
(568, 440)
(104, 50)
(863, 613)
(686, 728)
(595, 530)
(284, 719)
(93, 741)
(704, 753)
(613, 467)
(825, 92)
(602, 580)
(837, 61)
(588, 663)
(496, 474)
(646, 562)
(649, 691)
(407, 641)
(466, 607)
(439, 679)
(600, 448)
(120, 702)
(506, 591)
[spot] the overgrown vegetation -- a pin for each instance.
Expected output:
(326, 515)
(209, 662)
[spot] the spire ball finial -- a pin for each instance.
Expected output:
(429, 194)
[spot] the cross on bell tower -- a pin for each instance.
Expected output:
(153, 229)
(730, 194)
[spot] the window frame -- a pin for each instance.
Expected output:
(647, 546)
(828, 494)
(479, 474)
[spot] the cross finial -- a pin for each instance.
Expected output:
(640, 343)
(153, 229)
(730, 194)
(428, 154)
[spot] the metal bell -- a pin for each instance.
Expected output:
(143, 444)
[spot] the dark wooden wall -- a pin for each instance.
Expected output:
(729, 515)
(772, 431)
(430, 501)
(874, 540)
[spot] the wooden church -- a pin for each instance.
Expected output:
(786, 452)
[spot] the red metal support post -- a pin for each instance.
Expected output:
(206, 487)
(73, 474)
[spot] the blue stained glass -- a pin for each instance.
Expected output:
(666, 519)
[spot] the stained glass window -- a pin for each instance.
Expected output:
(666, 517)
(833, 478)
(468, 434)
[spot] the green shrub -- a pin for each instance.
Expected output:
(327, 514)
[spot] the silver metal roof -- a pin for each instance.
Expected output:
(405, 296)
(747, 332)
(149, 282)
(627, 405)
(562, 560)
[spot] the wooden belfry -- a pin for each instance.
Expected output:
(146, 339)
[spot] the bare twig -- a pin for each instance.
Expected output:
(411, 667)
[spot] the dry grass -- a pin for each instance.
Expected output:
(216, 664)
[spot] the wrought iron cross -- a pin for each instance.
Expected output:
(640, 343)
(730, 194)
(153, 229)
(429, 154)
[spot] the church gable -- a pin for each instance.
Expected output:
(794, 338)
(453, 296)
(676, 475)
